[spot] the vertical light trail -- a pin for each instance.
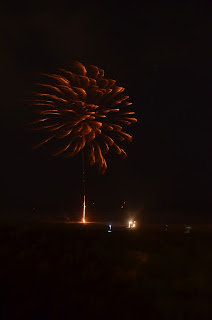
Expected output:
(83, 215)
(83, 178)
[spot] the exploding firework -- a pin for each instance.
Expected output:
(83, 110)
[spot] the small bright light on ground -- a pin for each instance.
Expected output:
(110, 228)
(187, 229)
(131, 224)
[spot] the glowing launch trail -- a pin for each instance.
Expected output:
(83, 178)
(83, 215)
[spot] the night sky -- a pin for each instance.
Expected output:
(162, 54)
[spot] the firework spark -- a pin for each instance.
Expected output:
(83, 110)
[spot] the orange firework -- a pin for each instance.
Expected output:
(83, 110)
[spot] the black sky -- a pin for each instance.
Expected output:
(161, 53)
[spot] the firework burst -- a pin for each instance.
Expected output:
(83, 110)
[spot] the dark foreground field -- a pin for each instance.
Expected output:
(67, 271)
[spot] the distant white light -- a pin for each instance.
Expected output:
(110, 228)
(131, 224)
(187, 229)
